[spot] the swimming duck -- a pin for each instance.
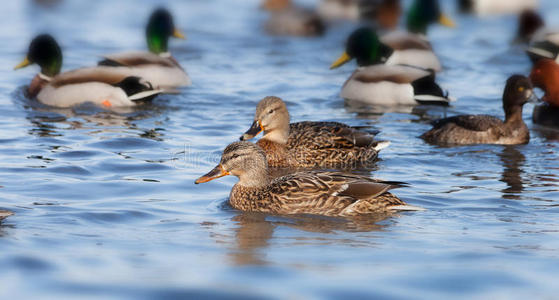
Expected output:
(4, 214)
(545, 75)
(288, 19)
(543, 42)
(335, 10)
(318, 192)
(383, 13)
(156, 66)
(489, 7)
(484, 129)
(382, 84)
(99, 85)
(309, 144)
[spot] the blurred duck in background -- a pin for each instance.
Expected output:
(383, 14)
(484, 129)
(542, 42)
(545, 75)
(158, 65)
(99, 85)
(492, 7)
(286, 18)
(4, 214)
(309, 144)
(377, 83)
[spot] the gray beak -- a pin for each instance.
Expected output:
(532, 98)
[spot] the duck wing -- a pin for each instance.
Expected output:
(317, 135)
(470, 122)
(137, 58)
(399, 40)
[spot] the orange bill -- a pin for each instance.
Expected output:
(215, 173)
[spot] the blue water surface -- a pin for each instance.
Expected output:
(105, 202)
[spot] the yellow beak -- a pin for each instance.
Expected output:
(178, 34)
(341, 60)
(23, 64)
(216, 172)
(446, 21)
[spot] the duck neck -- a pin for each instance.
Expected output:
(256, 177)
(513, 115)
(157, 41)
(278, 135)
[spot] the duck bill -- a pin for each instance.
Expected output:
(253, 131)
(446, 21)
(344, 58)
(532, 98)
(178, 34)
(215, 173)
(23, 64)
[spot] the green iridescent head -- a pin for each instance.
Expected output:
(422, 13)
(364, 45)
(45, 52)
(159, 29)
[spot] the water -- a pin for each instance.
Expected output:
(106, 204)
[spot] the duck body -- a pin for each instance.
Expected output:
(544, 45)
(387, 85)
(4, 214)
(545, 75)
(546, 115)
(291, 20)
(322, 193)
(312, 192)
(309, 144)
(484, 129)
(334, 10)
(411, 50)
(161, 71)
(491, 7)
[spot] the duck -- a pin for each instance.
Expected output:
(383, 13)
(492, 7)
(309, 144)
(542, 42)
(157, 66)
(99, 85)
(4, 214)
(287, 19)
(484, 129)
(307, 192)
(545, 75)
(382, 84)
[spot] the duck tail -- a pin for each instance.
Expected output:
(138, 90)
(427, 91)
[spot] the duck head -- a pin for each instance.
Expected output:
(245, 160)
(271, 117)
(45, 52)
(518, 91)
(545, 75)
(364, 45)
(528, 23)
(422, 13)
(159, 29)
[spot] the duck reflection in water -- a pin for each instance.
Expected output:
(513, 163)
(255, 231)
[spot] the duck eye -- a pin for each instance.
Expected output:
(521, 89)
(270, 111)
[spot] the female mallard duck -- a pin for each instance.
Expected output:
(543, 42)
(490, 7)
(545, 75)
(99, 85)
(383, 13)
(4, 214)
(289, 19)
(483, 129)
(309, 144)
(377, 83)
(318, 192)
(412, 47)
(157, 66)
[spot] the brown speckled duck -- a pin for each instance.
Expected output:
(312, 192)
(484, 129)
(286, 18)
(309, 144)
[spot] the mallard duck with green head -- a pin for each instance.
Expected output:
(157, 66)
(99, 85)
(375, 82)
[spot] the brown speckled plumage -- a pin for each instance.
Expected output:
(483, 129)
(4, 214)
(309, 144)
(311, 192)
